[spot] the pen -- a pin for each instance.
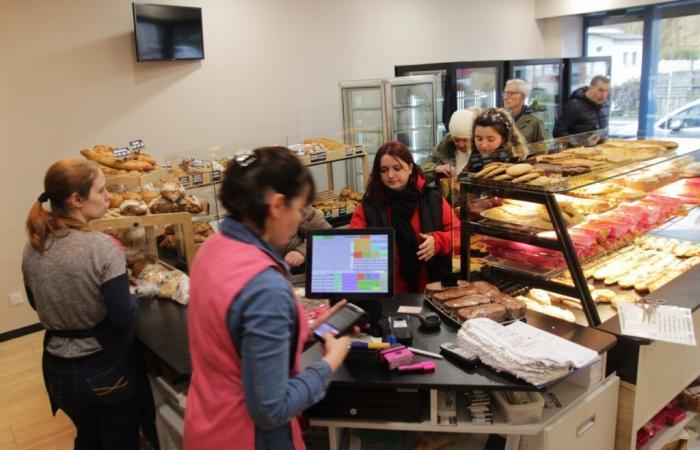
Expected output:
(425, 353)
(369, 345)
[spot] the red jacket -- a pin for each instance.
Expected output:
(443, 239)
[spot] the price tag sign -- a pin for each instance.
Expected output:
(198, 163)
(185, 181)
(349, 151)
(136, 145)
(327, 214)
(318, 157)
(168, 167)
(342, 211)
(198, 178)
(121, 152)
(360, 149)
(215, 175)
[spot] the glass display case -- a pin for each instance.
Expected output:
(443, 101)
(585, 227)
(546, 87)
(364, 113)
(478, 84)
(407, 113)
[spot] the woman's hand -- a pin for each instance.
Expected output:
(426, 250)
(335, 350)
(294, 258)
(323, 317)
(445, 169)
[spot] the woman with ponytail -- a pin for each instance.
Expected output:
(77, 282)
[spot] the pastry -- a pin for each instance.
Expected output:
(488, 168)
(437, 286)
(493, 311)
(172, 191)
(115, 200)
(467, 300)
(517, 170)
(128, 195)
(498, 170)
(540, 296)
(452, 293)
(602, 295)
(502, 177)
(515, 309)
(485, 288)
(133, 208)
(149, 193)
(622, 298)
(190, 204)
(541, 180)
(527, 177)
(161, 205)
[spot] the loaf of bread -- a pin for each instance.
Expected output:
(172, 191)
(493, 311)
(133, 208)
(515, 309)
(466, 301)
(452, 293)
(161, 205)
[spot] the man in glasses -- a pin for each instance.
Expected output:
(514, 95)
(587, 110)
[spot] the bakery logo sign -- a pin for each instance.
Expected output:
(121, 152)
(136, 145)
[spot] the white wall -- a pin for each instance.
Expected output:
(69, 79)
(557, 8)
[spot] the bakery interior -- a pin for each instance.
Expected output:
(584, 229)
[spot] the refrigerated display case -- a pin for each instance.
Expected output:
(444, 101)
(478, 84)
(408, 113)
(579, 71)
(364, 113)
(413, 113)
(545, 77)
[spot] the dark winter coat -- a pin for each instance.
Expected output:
(581, 115)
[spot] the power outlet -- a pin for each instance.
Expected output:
(16, 298)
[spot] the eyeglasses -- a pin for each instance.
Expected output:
(507, 94)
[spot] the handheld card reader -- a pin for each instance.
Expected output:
(400, 327)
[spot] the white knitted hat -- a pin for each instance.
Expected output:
(461, 123)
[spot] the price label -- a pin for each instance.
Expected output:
(349, 151)
(360, 149)
(198, 178)
(215, 175)
(136, 144)
(185, 181)
(318, 157)
(168, 167)
(121, 152)
(327, 214)
(198, 163)
(342, 211)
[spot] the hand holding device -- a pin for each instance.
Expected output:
(343, 317)
(335, 350)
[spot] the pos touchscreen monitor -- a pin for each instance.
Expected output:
(356, 264)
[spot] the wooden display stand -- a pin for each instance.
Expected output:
(153, 177)
(150, 223)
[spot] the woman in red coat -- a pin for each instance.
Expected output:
(424, 224)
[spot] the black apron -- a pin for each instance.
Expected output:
(121, 349)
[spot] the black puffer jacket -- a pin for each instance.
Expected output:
(581, 115)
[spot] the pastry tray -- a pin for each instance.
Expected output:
(505, 286)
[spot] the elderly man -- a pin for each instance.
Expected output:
(514, 95)
(586, 110)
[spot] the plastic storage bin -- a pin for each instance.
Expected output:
(519, 414)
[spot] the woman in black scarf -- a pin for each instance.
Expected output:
(424, 224)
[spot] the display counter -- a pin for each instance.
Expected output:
(588, 399)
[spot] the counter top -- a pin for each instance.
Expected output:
(362, 369)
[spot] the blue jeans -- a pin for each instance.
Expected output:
(98, 398)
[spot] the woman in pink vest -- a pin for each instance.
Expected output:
(246, 329)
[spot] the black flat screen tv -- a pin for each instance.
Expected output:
(168, 33)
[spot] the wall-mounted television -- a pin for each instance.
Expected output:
(167, 33)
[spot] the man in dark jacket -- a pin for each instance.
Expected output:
(530, 126)
(586, 110)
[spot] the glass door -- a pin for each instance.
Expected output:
(478, 85)
(545, 81)
(412, 101)
(364, 114)
(582, 70)
(443, 91)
